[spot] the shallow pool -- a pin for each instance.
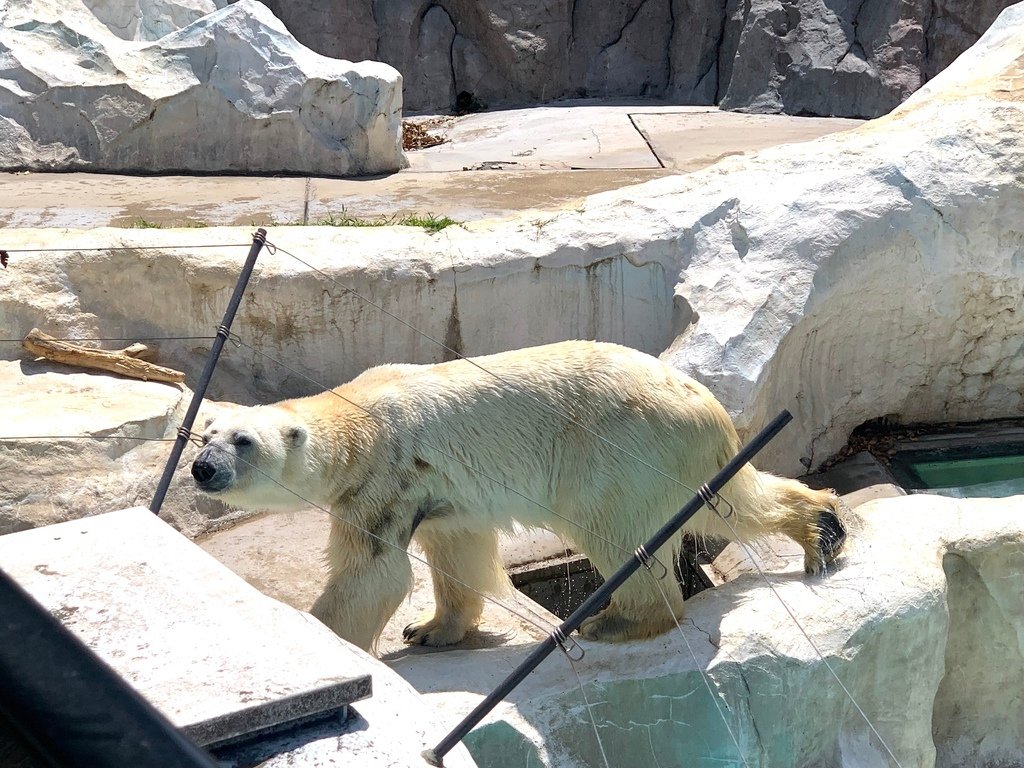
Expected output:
(962, 473)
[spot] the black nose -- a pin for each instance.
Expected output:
(203, 471)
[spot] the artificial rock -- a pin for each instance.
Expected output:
(852, 58)
(186, 86)
(920, 620)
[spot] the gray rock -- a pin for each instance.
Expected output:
(853, 58)
(231, 91)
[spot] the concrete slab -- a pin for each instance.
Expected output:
(215, 656)
(560, 136)
(82, 200)
(539, 158)
(690, 138)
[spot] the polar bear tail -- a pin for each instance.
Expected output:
(766, 504)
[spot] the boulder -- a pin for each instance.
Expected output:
(164, 86)
(851, 58)
(74, 444)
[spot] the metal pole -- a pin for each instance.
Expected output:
(259, 239)
(593, 603)
(67, 707)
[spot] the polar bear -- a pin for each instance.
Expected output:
(598, 442)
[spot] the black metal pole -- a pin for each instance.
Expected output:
(67, 708)
(593, 603)
(259, 239)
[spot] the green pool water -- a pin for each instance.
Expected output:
(962, 475)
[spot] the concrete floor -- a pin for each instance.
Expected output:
(493, 164)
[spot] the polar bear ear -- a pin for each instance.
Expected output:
(296, 436)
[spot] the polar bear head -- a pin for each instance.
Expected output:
(256, 458)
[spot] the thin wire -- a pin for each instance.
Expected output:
(807, 636)
(590, 711)
(127, 248)
(549, 408)
(116, 338)
(443, 452)
(87, 437)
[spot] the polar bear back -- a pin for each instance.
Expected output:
(564, 425)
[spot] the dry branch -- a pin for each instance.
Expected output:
(124, 361)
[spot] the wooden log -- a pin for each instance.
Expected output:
(125, 361)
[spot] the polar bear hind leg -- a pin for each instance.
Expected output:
(644, 606)
(466, 564)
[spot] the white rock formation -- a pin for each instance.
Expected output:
(49, 474)
(922, 621)
(163, 86)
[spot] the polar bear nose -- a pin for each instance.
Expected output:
(203, 471)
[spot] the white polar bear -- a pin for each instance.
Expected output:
(597, 442)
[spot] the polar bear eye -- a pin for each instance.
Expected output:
(242, 441)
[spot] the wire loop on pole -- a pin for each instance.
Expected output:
(712, 500)
(562, 640)
(646, 559)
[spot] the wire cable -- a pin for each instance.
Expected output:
(116, 338)
(807, 636)
(70, 249)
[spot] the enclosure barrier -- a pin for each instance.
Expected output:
(259, 239)
(642, 557)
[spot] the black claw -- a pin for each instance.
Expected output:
(831, 534)
(408, 632)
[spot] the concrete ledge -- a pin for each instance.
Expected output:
(221, 660)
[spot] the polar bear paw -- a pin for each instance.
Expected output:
(612, 627)
(434, 631)
(831, 536)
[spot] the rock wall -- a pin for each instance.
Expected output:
(850, 58)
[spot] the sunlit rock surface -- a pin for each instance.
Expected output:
(162, 86)
(921, 621)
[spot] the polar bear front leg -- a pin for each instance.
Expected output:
(368, 580)
(465, 564)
